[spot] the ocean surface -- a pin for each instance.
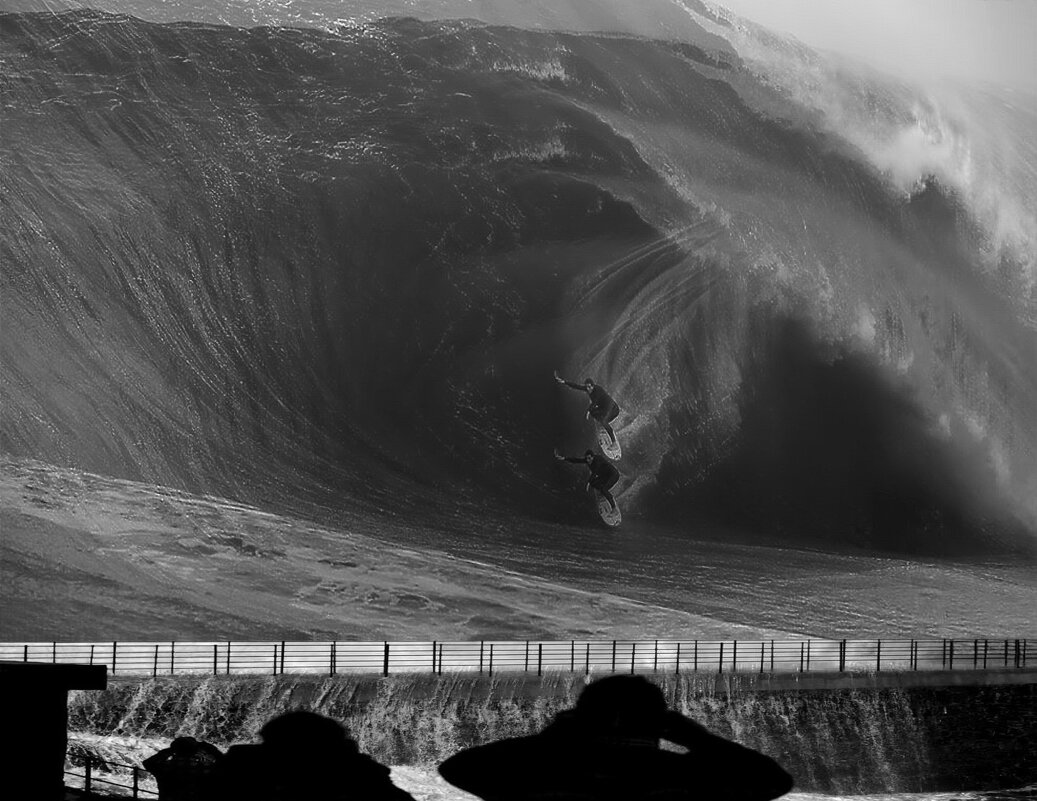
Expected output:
(322, 266)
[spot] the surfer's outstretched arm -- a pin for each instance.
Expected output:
(569, 384)
(573, 459)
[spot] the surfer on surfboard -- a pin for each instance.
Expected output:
(603, 408)
(604, 474)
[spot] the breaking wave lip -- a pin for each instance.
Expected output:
(344, 276)
(973, 139)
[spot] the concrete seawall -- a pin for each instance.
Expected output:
(845, 733)
(713, 684)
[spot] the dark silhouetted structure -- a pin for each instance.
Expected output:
(35, 720)
(185, 771)
(304, 757)
(607, 749)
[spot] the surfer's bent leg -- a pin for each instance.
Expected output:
(606, 416)
(603, 487)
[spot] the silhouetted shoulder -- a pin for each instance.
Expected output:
(608, 749)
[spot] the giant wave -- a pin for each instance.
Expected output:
(333, 270)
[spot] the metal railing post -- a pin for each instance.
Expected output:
(491, 659)
(1015, 652)
(87, 777)
(136, 782)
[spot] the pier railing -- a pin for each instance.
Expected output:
(532, 656)
(92, 775)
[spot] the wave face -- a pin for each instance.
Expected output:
(335, 268)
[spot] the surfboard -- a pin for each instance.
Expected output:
(608, 447)
(608, 516)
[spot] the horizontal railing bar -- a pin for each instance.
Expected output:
(683, 655)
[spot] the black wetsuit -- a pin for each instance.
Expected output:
(603, 407)
(604, 475)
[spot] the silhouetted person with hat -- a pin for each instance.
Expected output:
(607, 749)
(185, 770)
(305, 757)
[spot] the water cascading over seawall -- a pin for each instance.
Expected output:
(872, 736)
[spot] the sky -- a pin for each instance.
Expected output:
(988, 40)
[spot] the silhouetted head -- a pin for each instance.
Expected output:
(622, 706)
(183, 745)
(588, 384)
(588, 456)
(308, 732)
